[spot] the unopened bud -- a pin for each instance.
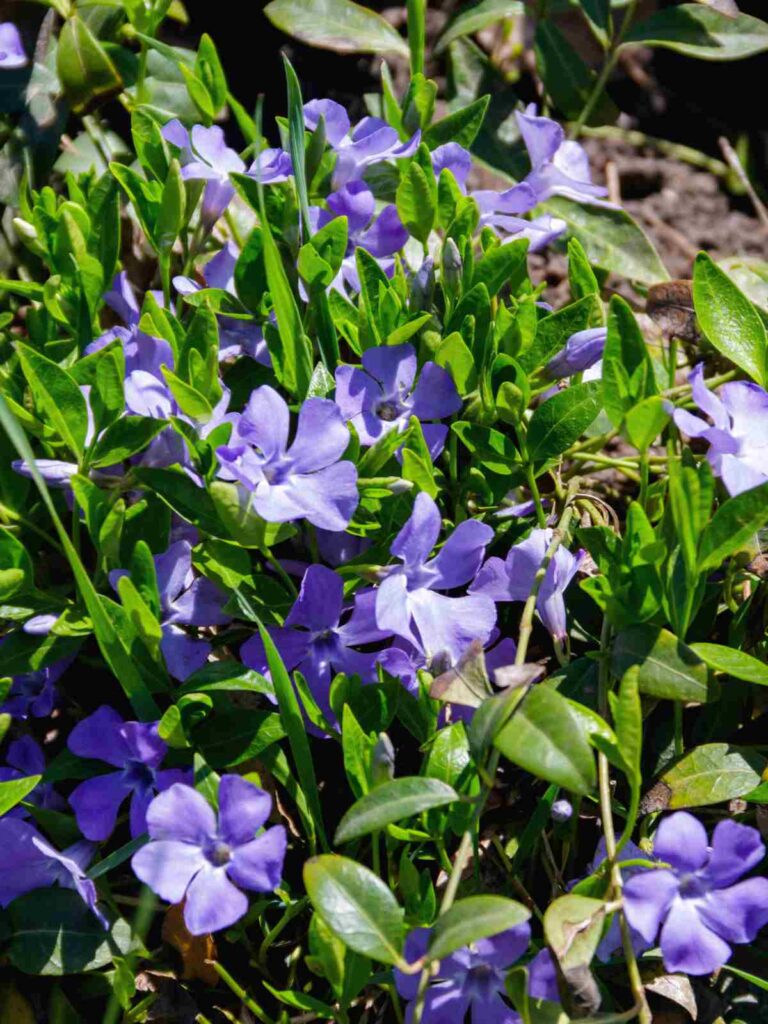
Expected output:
(24, 229)
(383, 760)
(452, 264)
(561, 811)
(422, 286)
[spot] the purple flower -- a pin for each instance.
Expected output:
(236, 337)
(142, 351)
(271, 167)
(370, 142)
(454, 158)
(136, 750)
(12, 53)
(185, 600)
(501, 211)
(382, 235)
(612, 941)
(25, 758)
(305, 480)
(383, 395)
(511, 579)
(313, 639)
(195, 858)
(581, 352)
(28, 861)
(407, 603)
(558, 167)
(472, 978)
(34, 693)
(205, 156)
(738, 440)
(698, 902)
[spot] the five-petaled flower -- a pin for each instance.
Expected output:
(195, 858)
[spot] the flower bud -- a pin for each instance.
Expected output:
(452, 265)
(422, 286)
(561, 811)
(382, 760)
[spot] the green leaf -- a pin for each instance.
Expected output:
(471, 919)
(86, 73)
(472, 17)
(390, 802)
(735, 663)
(733, 526)
(728, 319)
(16, 790)
(357, 906)
(667, 668)
(58, 395)
(611, 239)
(711, 774)
(701, 31)
(16, 568)
(54, 933)
(561, 420)
(125, 437)
(628, 722)
(645, 421)
(503, 265)
(170, 215)
(568, 80)
(336, 25)
(230, 739)
(573, 926)
(461, 126)
(183, 496)
(547, 739)
(227, 677)
(416, 203)
(627, 369)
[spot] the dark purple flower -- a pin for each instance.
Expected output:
(194, 858)
(12, 53)
(384, 394)
(205, 156)
(738, 439)
(407, 602)
(185, 600)
(136, 750)
(28, 861)
(303, 480)
(370, 142)
(697, 903)
(34, 693)
(581, 352)
(542, 977)
(25, 758)
(472, 978)
(314, 640)
(558, 167)
(511, 579)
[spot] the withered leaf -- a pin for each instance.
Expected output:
(675, 987)
(467, 682)
(670, 306)
(194, 950)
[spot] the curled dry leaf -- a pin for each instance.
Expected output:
(196, 951)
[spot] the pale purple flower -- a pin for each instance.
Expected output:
(454, 158)
(205, 156)
(12, 53)
(582, 351)
(205, 862)
(473, 978)
(34, 693)
(136, 750)
(738, 438)
(407, 602)
(28, 862)
(559, 167)
(511, 579)
(271, 167)
(301, 480)
(185, 600)
(142, 351)
(697, 906)
(370, 142)
(236, 337)
(502, 212)
(25, 758)
(384, 394)
(381, 235)
(314, 639)
(562, 811)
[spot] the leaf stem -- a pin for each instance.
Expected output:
(602, 79)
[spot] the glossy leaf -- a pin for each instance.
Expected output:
(701, 31)
(711, 774)
(727, 317)
(667, 668)
(336, 25)
(474, 918)
(733, 526)
(561, 420)
(391, 802)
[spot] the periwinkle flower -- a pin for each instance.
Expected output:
(185, 600)
(304, 480)
(33, 694)
(454, 158)
(370, 142)
(315, 641)
(582, 351)
(205, 156)
(562, 811)
(25, 758)
(381, 235)
(511, 579)
(236, 337)
(407, 602)
(142, 351)
(28, 861)
(559, 167)
(384, 394)
(738, 438)
(136, 751)
(205, 862)
(271, 167)
(12, 53)
(472, 978)
(697, 906)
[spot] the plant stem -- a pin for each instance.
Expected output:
(541, 515)
(526, 619)
(417, 34)
(605, 74)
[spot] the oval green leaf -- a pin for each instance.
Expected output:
(733, 526)
(701, 31)
(393, 801)
(561, 420)
(476, 917)
(734, 663)
(711, 774)
(667, 668)
(336, 25)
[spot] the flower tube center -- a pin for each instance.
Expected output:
(483, 980)
(219, 853)
(138, 775)
(692, 887)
